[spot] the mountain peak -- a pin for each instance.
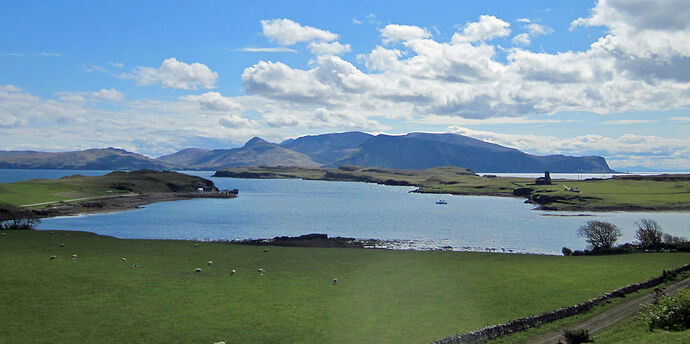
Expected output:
(256, 141)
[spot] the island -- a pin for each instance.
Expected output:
(114, 191)
(667, 192)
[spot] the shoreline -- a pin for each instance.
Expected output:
(112, 204)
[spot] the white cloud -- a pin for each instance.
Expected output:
(176, 74)
(326, 48)
(538, 29)
(81, 97)
(522, 39)
(628, 121)
(288, 32)
(281, 120)
(680, 119)
(267, 50)
(488, 27)
(395, 33)
(458, 121)
(213, 101)
(117, 64)
(356, 21)
(234, 121)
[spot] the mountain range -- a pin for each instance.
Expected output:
(411, 151)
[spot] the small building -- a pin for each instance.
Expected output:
(545, 180)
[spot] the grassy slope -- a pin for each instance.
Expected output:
(609, 194)
(633, 330)
(381, 296)
(47, 190)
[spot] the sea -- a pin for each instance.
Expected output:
(399, 218)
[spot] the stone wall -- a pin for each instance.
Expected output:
(518, 325)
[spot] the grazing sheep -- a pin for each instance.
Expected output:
(261, 271)
(197, 270)
(196, 245)
(335, 281)
(219, 343)
(232, 272)
(123, 259)
(74, 256)
(135, 265)
(62, 245)
(265, 250)
(210, 262)
(3, 234)
(52, 232)
(52, 257)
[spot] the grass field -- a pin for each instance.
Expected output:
(115, 183)
(597, 195)
(633, 330)
(381, 296)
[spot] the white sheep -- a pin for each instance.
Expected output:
(123, 259)
(261, 270)
(232, 272)
(335, 281)
(52, 257)
(210, 262)
(62, 245)
(74, 256)
(196, 245)
(265, 250)
(135, 265)
(197, 270)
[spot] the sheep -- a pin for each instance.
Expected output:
(52, 257)
(219, 343)
(135, 265)
(74, 256)
(210, 262)
(232, 272)
(265, 250)
(261, 270)
(62, 245)
(52, 232)
(123, 259)
(196, 245)
(198, 270)
(335, 281)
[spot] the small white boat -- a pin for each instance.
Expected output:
(441, 202)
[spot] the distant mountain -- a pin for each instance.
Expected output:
(90, 159)
(327, 148)
(256, 152)
(421, 151)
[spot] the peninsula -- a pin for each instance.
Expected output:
(114, 191)
(624, 193)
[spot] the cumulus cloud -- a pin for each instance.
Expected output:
(326, 48)
(176, 74)
(395, 33)
(287, 32)
(213, 101)
(236, 122)
(522, 39)
(488, 27)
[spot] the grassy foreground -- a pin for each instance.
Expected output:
(381, 296)
(633, 330)
(671, 192)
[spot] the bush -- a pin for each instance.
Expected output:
(669, 313)
(19, 223)
(672, 240)
(566, 251)
(600, 234)
(649, 233)
(577, 336)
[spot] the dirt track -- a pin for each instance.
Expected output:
(608, 317)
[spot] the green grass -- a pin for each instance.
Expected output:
(602, 195)
(381, 296)
(75, 187)
(632, 330)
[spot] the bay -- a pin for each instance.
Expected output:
(276, 207)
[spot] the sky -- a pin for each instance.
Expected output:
(608, 77)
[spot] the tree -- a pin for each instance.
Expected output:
(600, 234)
(649, 233)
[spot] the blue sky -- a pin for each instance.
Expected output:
(610, 78)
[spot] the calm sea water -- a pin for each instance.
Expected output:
(268, 208)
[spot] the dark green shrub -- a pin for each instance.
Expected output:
(577, 336)
(669, 312)
(566, 251)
